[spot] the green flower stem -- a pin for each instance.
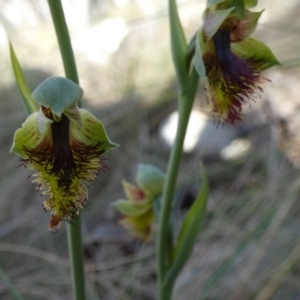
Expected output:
(185, 107)
(63, 38)
(240, 7)
(157, 209)
(74, 231)
(76, 258)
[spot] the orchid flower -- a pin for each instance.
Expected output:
(232, 59)
(138, 215)
(64, 145)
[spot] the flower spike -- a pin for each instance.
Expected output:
(64, 145)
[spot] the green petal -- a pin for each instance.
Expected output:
(57, 93)
(133, 192)
(246, 26)
(28, 136)
(43, 123)
(258, 55)
(73, 114)
(91, 131)
(151, 179)
(199, 64)
(133, 208)
(213, 20)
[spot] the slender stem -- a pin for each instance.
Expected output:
(76, 258)
(63, 38)
(74, 231)
(185, 107)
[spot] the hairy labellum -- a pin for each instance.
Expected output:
(67, 156)
(232, 81)
(66, 167)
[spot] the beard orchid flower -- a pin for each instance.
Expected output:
(230, 58)
(64, 145)
(138, 214)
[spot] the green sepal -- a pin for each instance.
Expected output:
(246, 27)
(27, 136)
(29, 104)
(43, 123)
(91, 131)
(187, 237)
(133, 192)
(133, 208)
(213, 19)
(57, 93)
(257, 53)
(73, 114)
(199, 64)
(151, 179)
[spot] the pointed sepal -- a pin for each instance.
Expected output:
(245, 27)
(256, 53)
(132, 208)
(91, 132)
(28, 137)
(151, 179)
(213, 19)
(58, 94)
(133, 192)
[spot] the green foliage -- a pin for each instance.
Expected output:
(188, 233)
(29, 104)
(240, 8)
(178, 45)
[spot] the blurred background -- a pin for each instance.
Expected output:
(249, 247)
